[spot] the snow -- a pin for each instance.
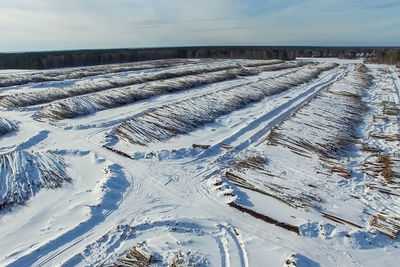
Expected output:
(109, 200)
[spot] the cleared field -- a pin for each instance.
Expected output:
(201, 163)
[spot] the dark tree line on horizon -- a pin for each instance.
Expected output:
(390, 56)
(59, 59)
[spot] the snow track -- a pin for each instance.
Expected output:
(222, 244)
(114, 188)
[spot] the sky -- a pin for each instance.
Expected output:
(37, 25)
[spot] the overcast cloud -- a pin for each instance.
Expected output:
(28, 25)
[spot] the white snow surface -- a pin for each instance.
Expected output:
(170, 202)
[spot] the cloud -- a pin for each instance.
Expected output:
(58, 24)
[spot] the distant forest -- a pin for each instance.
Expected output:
(60, 59)
(389, 56)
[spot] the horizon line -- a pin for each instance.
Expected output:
(200, 46)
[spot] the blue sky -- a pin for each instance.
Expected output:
(30, 25)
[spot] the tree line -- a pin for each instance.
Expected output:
(60, 59)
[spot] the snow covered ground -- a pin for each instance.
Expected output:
(297, 164)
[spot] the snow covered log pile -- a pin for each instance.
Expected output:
(7, 126)
(23, 174)
(180, 118)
